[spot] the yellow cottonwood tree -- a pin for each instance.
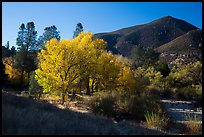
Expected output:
(14, 75)
(106, 71)
(62, 63)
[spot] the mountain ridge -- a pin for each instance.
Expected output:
(153, 34)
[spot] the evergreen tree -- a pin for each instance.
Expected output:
(5, 52)
(20, 41)
(50, 32)
(7, 45)
(13, 51)
(143, 56)
(30, 37)
(163, 68)
(34, 89)
(79, 29)
(26, 42)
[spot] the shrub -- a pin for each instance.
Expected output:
(138, 105)
(193, 124)
(198, 97)
(103, 103)
(163, 68)
(155, 120)
(189, 92)
(167, 93)
(34, 89)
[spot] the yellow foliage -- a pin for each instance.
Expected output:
(14, 75)
(63, 62)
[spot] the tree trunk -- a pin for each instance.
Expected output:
(80, 85)
(22, 71)
(92, 87)
(87, 87)
(63, 98)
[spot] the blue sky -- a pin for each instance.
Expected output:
(96, 17)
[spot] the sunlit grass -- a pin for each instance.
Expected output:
(193, 124)
(155, 120)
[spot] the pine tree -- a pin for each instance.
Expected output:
(30, 37)
(79, 29)
(20, 41)
(50, 32)
(7, 45)
(13, 51)
(26, 42)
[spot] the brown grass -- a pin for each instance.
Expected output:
(193, 124)
(21, 115)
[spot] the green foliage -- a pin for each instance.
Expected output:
(163, 68)
(185, 93)
(34, 89)
(148, 77)
(190, 92)
(186, 75)
(30, 37)
(50, 32)
(13, 51)
(6, 52)
(187, 80)
(79, 29)
(143, 56)
(26, 42)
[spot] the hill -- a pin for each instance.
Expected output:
(184, 49)
(153, 34)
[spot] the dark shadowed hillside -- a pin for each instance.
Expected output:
(153, 34)
(183, 49)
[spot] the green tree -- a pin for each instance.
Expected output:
(5, 52)
(163, 68)
(49, 33)
(30, 37)
(186, 75)
(34, 89)
(26, 42)
(143, 56)
(79, 29)
(7, 45)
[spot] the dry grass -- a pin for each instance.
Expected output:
(155, 120)
(22, 115)
(193, 124)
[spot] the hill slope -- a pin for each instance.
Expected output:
(153, 34)
(21, 115)
(184, 49)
